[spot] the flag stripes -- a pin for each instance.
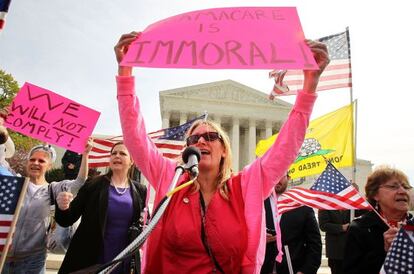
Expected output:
(336, 75)
(347, 199)
(331, 191)
(169, 141)
(5, 223)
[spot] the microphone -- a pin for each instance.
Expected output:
(191, 156)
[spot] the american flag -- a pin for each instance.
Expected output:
(400, 257)
(336, 75)
(4, 8)
(331, 191)
(10, 190)
(169, 141)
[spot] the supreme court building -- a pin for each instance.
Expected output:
(246, 114)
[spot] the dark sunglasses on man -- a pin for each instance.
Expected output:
(208, 136)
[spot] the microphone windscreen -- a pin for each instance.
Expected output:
(191, 151)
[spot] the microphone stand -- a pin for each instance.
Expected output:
(137, 243)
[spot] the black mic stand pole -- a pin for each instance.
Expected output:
(191, 156)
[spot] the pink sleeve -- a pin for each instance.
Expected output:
(276, 161)
(259, 178)
(157, 169)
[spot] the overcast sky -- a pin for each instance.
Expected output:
(67, 47)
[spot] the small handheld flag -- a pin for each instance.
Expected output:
(331, 191)
(336, 75)
(400, 257)
(12, 192)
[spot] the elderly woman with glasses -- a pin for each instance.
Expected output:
(370, 236)
(218, 224)
(27, 253)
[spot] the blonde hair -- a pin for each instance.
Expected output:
(225, 170)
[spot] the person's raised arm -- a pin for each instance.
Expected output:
(157, 169)
(321, 55)
(121, 48)
(84, 168)
(74, 185)
(276, 161)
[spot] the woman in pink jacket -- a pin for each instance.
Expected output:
(218, 224)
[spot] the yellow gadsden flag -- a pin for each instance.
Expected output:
(329, 136)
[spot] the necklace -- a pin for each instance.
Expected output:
(120, 192)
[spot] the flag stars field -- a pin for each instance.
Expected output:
(400, 256)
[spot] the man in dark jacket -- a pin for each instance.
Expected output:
(335, 224)
(300, 233)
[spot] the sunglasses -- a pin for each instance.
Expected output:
(208, 136)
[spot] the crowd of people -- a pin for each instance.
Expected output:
(222, 223)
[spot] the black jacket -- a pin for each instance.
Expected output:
(331, 221)
(91, 203)
(364, 248)
(301, 233)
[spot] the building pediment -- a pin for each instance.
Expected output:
(224, 91)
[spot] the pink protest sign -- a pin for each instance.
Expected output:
(224, 38)
(52, 118)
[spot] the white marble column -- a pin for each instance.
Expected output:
(235, 136)
(183, 118)
(268, 125)
(166, 119)
(252, 140)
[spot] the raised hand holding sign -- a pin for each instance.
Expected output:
(224, 38)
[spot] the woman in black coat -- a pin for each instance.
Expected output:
(370, 236)
(109, 205)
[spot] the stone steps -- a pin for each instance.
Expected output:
(54, 261)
